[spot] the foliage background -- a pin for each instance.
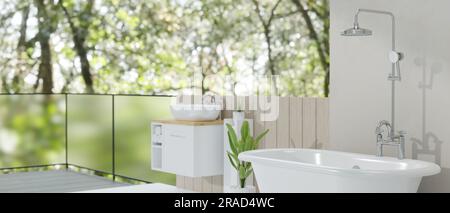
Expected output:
(143, 47)
(164, 46)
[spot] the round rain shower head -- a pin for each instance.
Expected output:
(357, 31)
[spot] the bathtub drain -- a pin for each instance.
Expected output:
(356, 167)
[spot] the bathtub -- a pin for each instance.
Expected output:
(321, 171)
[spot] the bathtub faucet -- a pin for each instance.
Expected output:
(385, 136)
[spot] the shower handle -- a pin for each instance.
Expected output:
(395, 58)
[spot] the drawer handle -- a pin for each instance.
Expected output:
(176, 136)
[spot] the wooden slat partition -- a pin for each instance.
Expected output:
(302, 123)
(283, 130)
(189, 183)
(258, 124)
(207, 184)
(217, 185)
(198, 184)
(295, 122)
(322, 122)
(309, 123)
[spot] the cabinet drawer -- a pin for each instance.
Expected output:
(178, 149)
(175, 133)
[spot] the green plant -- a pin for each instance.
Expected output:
(245, 143)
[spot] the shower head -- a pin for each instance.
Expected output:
(356, 31)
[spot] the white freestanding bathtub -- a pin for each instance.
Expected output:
(320, 171)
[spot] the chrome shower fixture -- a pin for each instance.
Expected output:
(393, 137)
(394, 56)
(357, 31)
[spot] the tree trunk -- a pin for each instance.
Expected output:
(267, 35)
(320, 50)
(21, 47)
(79, 35)
(45, 67)
(271, 61)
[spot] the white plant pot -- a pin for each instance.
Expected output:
(238, 116)
(238, 189)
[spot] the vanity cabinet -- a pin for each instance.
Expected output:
(193, 149)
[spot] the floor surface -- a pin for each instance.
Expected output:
(58, 181)
(143, 188)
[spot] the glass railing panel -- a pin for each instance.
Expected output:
(32, 130)
(90, 131)
(133, 115)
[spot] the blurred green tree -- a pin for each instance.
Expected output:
(162, 47)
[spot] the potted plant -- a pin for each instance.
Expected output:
(237, 146)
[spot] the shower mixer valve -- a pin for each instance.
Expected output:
(387, 137)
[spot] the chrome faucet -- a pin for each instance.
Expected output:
(209, 99)
(386, 136)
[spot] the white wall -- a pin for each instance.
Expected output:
(360, 92)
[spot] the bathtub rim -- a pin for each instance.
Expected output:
(428, 170)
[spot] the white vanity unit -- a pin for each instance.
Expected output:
(188, 148)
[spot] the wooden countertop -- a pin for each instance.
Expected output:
(191, 123)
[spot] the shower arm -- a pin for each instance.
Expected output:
(394, 56)
(379, 12)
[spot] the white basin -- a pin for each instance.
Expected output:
(321, 171)
(195, 112)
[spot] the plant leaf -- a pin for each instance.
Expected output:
(245, 129)
(248, 165)
(249, 172)
(248, 143)
(232, 133)
(232, 139)
(235, 158)
(260, 137)
(242, 172)
(232, 143)
(241, 146)
(232, 161)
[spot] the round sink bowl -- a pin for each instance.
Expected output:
(196, 112)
